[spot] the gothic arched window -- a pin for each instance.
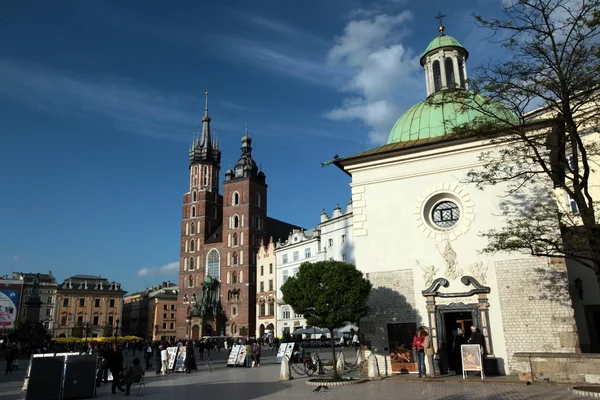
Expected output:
(449, 67)
(234, 258)
(258, 199)
(235, 239)
(193, 211)
(213, 264)
(194, 196)
(205, 175)
(191, 263)
(192, 246)
(236, 221)
(236, 198)
(193, 229)
(437, 76)
(191, 281)
(234, 278)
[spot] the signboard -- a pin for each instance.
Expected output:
(471, 357)
(171, 354)
(10, 296)
(241, 357)
(28, 371)
(180, 360)
(290, 349)
(235, 350)
(280, 352)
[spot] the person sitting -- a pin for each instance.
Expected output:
(133, 375)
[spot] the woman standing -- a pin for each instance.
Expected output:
(256, 353)
(417, 345)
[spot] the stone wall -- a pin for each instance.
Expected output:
(392, 300)
(559, 367)
(536, 309)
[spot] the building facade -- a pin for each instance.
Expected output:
(266, 296)
(89, 299)
(332, 239)
(135, 314)
(220, 235)
(301, 246)
(162, 312)
(47, 291)
(417, 238)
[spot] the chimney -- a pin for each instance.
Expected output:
(164, 284)
(168, 283)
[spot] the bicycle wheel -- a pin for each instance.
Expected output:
(308, 368)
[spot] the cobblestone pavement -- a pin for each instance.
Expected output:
(263, 383)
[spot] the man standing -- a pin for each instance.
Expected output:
(164, 358)
(355, 341)
(476, 338)
(148, 355)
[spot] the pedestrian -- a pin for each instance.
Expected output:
(201, 350)
(355, 342)
(256, 353)
(459, 340)
(429, 352)
(190, 358)
(159, 359)
(164, 358)
(148, 355)
(115, 364)
(9, 356)
(417, 346)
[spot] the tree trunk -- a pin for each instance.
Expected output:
(335, 372)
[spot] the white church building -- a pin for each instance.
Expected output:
(416, 237)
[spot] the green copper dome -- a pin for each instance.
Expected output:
(437, 116)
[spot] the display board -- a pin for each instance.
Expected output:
(28, 371)
(290, 349)
(233, 354)
(80, 377)
(180, 360)
(241, 357)
(472, 360)
(171, 354)
(281, 352)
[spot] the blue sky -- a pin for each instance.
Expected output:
(99, 99)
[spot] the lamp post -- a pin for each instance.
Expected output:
(86, 329)
(117, 330)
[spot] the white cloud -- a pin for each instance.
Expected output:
(169, 269)
(386, 73)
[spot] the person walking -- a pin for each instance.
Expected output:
(9, 356)
(417, 346)
(355, 341)
(115, 365)
(148, 355)
(164, 358)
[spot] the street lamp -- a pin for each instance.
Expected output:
(188, 320)
(117, 330)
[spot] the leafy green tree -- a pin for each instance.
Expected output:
(77, 330)
(553, 47)
(107, 331)
(328, 294)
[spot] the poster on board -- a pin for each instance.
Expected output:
(290, 349)
(280, 352)
(472, 360)
(241, 357)
(180, 360)
(235, 350)
(10, 295)
(171, 354)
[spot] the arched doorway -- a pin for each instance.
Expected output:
(195, 332)
(208, 330)
(62, 335)
(262, 330)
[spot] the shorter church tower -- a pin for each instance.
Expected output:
(244, 221)
(444, 64)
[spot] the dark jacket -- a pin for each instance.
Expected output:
(115, 360)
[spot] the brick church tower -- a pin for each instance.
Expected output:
(220, 235)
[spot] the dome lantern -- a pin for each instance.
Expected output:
(444, 62)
